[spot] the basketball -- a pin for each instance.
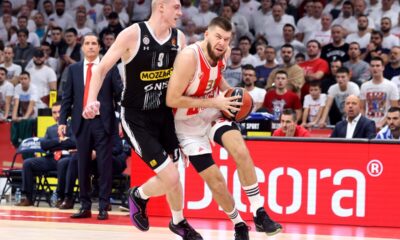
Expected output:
(245, 109)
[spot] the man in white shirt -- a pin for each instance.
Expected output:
(25, 99)
(256, 93)
(13, 70)
(389, 40)
(203, 17)
(61, 18)
(247, 57)
(43, 78)
(363, 35)
(378, 94)
(347, 19)
(6, 94)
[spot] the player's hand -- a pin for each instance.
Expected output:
(228, 104)
(91, 110)
(62, 129)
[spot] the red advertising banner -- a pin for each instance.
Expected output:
(311, 182)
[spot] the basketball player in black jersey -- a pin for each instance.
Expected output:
(148, 50)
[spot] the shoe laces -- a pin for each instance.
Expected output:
(189, 230)
(242, 230)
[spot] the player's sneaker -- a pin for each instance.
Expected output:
(184, 230)
(137, 210)
(265, 224)
(241, 231)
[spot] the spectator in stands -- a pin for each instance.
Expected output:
(355, 125)
(363, 35)
(94, 10)
(247, 8)
(239, 19)
(273, 27)
(346, 19)
(330, 79)
(139, 10)
(40, 164)
(107, 9)
(43, 78)
(244, 45)
(338, 48)
(337, 95)
(289, 127)
(263, 71)
(378, 94)
(190, 35)
(256, 93)
(49, 61)
(315, 68)
(360, 9)
(58, 44)
(310, 23)
(73, 51)
(13, 70)
(261, 54)
(259, 18)
(375, 49)
(25, 99)
(323, 35)
(41, 26)
(215, 7)
(389, 39)
(114, 25)
(203, 17)
(61, 18)
(107, 41)
(81, 26)
(48, 9)
(294, 71)
(392, 129)
(289, 38)
(32, 36)
(386, 10)
(119, 8)
(280, 98)
(392, 69)
(233, 72)
(313, 106)
(359, 68)
(6, 94)
(23, 51)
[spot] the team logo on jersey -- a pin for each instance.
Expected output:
(156, 75)
(146, 41)
(153, 163)
(173, 42)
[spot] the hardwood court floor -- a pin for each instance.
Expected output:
(32, 223)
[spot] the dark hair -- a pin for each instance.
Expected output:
(25, 73)
(23, 17)
(72, 30)
(58, 103)
(289, 25)
(350, 4)
(221, 22)
(57, 28)
(300, 55)
(248, 67)
(287, 45)
(289, 111)
(282, 72)
(4, 70)
(244, 37)
(61, 1)
(315, 83)
(90, 34)
(355, 43)
(343, 70)
(45, 43)
(23, 30)
(314, 41)
(377, 59)
(394, 109)
(374, 32)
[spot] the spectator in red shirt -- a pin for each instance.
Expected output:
(289, 127)
(315, 68)
(280, 97)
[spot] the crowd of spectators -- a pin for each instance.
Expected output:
(308, 55)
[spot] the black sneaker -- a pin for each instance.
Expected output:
(265, 224)
(184, 230)
(137, 210)
(241, 231)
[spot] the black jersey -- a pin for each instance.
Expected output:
(147, 74)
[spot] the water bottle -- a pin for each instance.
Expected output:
(54, 199)
(18, 196)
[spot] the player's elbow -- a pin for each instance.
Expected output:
(171, 101)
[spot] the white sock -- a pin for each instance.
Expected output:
(141, 194)
(253, 193)
(177, 216)
(234, 216)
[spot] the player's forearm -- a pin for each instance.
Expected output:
(95, 84)
(191, 102)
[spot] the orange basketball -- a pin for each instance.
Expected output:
(245, 109)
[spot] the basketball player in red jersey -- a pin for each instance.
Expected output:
(193, 91)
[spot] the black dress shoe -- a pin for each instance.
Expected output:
(67, 204)
(82, 214)
(103, 215)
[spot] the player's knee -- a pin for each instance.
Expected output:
(172, 181)
(217, 185)
(240, 154)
